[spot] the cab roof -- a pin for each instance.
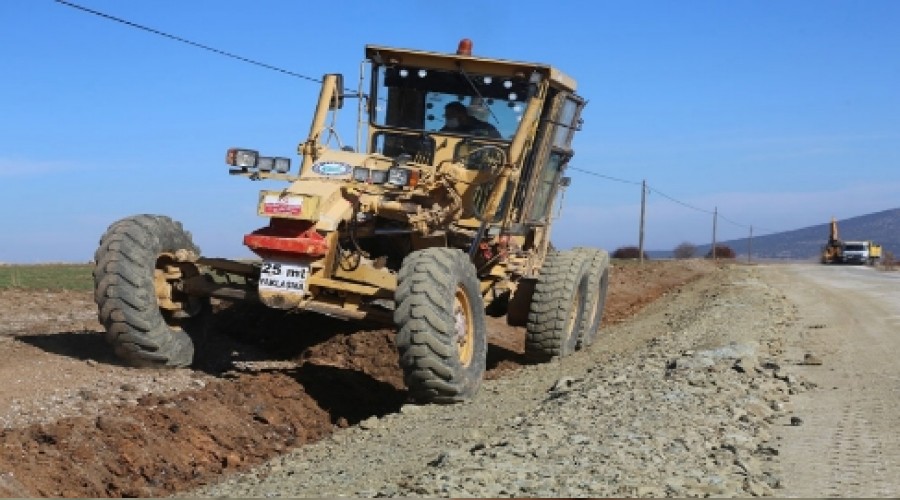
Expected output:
(472, 64)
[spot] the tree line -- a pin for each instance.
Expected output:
(684, 250)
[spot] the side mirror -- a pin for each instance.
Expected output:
(565, 181)
(337, 99)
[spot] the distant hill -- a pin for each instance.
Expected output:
(806, 243)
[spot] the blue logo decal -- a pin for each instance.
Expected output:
(332, 168)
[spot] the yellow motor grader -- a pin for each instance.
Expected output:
(430, 223)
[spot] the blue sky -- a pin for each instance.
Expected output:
(781, 114)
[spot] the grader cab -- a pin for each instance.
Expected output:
(442, 211)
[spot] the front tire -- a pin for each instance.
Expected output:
(129, 274)
(442, 334)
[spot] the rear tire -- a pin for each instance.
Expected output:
(595, 299)
(125, 288)
(556, 316)
(442, 335)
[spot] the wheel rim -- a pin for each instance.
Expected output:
(465, 331)
(166, 273)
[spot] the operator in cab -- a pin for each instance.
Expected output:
(459, 120)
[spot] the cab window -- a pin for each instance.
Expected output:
(480, 155)
(419, 147)
(415, 98)
(546, 188)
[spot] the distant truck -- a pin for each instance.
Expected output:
(837, 251)
(860, 252)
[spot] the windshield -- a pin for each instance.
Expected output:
(854, 248)
(426, 100)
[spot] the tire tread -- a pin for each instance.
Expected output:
(427, 284)
(123, 290)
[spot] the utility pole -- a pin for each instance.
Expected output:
(750, 245)
(643, 213)
(715, 217)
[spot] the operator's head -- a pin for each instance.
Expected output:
(455, 114)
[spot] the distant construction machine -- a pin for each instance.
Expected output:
(849, 252)
(832, 251)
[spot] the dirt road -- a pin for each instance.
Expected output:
(848, 444)
(764, 381)
(75, 422)
(731, 381)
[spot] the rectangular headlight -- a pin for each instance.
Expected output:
(265, 163)
(242, 158)
(378, 176)
(282, 165)
(360, 174)
(399, 176)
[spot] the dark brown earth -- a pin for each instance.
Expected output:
(265, 382)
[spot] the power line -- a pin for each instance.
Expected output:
(692, 207)
(726, 219)
(626, 181)
(609, 177)
(672, 199)
(186, 41)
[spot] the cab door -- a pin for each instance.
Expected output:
(550, 157)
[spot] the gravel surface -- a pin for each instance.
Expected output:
(76, 422)
(680, 401)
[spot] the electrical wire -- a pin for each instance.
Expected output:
(186, 41)
(726, 219)
(687, 205)
(672, 199)
(608, 177)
